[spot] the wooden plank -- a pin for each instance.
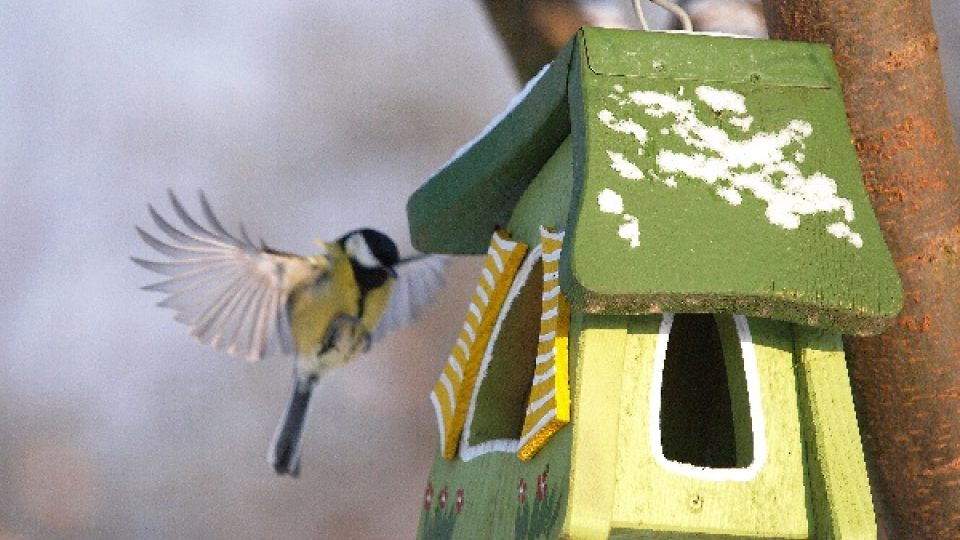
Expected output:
(840, 491)
(461, 205)
(595, 384)
(451, 394)
(712, 194)
(671, 500)
(643, 54)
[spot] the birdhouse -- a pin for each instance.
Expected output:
(676, 235)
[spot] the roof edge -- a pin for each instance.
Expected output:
(474, 193)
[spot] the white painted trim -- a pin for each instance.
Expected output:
(441, 428)
(456, 367)
(535, 406)
(445, 381)
(757, 419)
(482, 293)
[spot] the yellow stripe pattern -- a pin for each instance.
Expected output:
(548, 408)
(451, 394)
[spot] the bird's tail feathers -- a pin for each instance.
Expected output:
(284, 454)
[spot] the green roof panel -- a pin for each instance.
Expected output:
(474, 194)
(722, 183)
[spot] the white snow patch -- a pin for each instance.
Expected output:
(722, 100)
(757, 165)
(630, 230)
(731, 195)
(842, 230)
(625, 167)
(610, 202)
(742, 122)
(623, 126)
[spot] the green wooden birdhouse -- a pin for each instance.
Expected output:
(676, 236)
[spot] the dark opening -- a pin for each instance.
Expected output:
(502, 397)
(696, 415)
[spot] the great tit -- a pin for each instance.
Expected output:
(255, 301)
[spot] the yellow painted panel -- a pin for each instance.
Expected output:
(840, 489)
(451, 394)
(548, 407)
(768, 503)
(598, 359)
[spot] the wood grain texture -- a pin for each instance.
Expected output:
(907, 381)
(839, 490)
(596, 420)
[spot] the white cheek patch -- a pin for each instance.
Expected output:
(359, 251)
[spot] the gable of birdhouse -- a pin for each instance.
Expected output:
(710, 174)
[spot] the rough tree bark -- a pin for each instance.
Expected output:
(907, 381)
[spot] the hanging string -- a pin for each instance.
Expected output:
(668, 5)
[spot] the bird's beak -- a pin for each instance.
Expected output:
(392, 271)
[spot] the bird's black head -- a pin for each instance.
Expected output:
(372, 255)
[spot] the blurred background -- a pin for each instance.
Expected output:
(301, 118)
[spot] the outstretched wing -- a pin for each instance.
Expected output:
(418, 279)
(231, 293)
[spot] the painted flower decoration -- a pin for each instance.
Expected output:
(542, 486)
(443, 498)
(428, 497)
(460, 500)
(522, 491)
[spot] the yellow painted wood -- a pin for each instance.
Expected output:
(451, 394)
(737, 383)
(653, 502)
(840, 490)
(548, 405)
(598, 359)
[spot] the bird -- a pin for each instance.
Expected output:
(321, 310)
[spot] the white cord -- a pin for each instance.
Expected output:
(639, 11)
(668, 5)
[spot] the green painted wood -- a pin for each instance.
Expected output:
(492, 507)
(596, 378)
(653, 502)
(693, 250)
(839, 489)
(547, 201)
(767, 62)
(491, 483)
(458, 209)
(737, 386)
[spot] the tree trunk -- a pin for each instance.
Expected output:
(534, 30)
(907, 381)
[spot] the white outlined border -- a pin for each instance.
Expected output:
(757, 420)
(468, 452)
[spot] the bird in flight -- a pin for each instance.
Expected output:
(254, 301)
